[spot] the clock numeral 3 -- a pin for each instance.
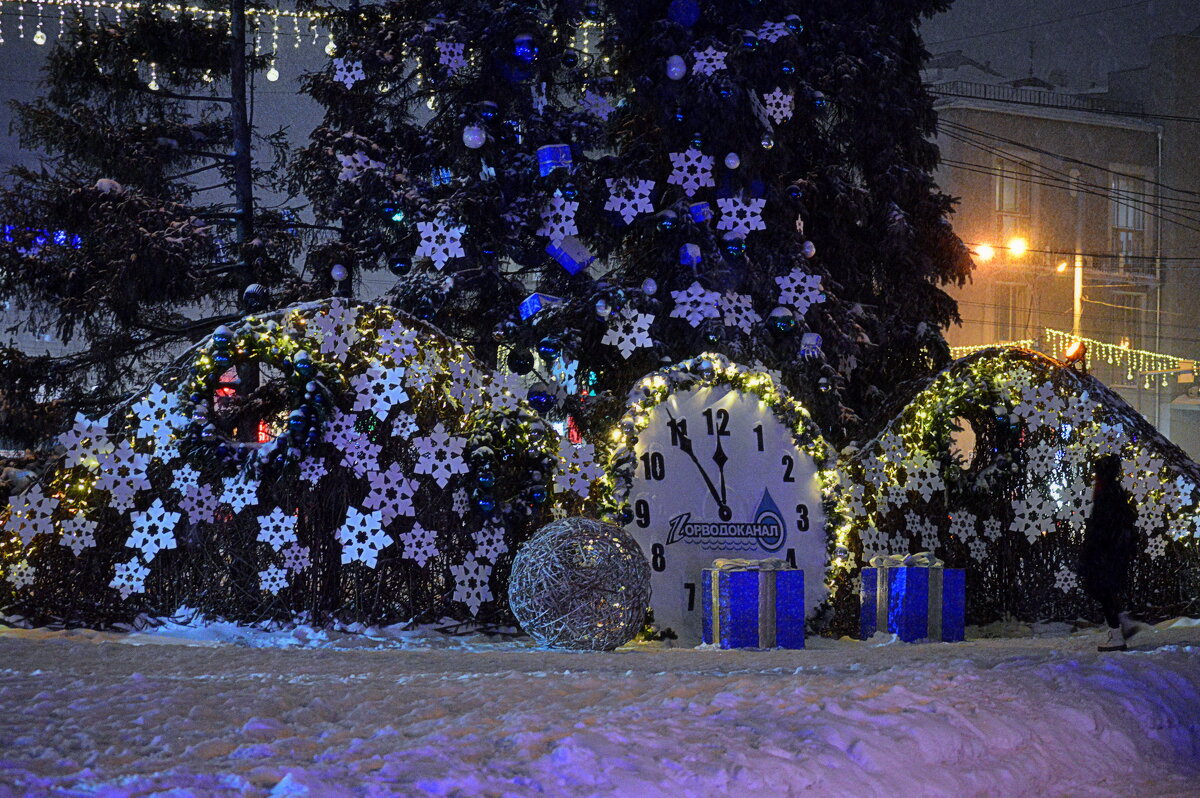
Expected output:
(658, 557)
(641, 513)
(802, 517)
(789, 464)
(654, 465)
(721, 426)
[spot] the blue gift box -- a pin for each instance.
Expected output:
(689, 255)
(534, 303)
(571, 253)
(700, 212)
(553, 156)
(753, 608)
(914, 602)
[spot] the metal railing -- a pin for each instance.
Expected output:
(1047, 99)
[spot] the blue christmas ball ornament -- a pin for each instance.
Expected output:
(538, 495)
(734, 245)
(297, 422)
(667, 221)
(222, 359)
(819, 101)
(541, 400)
(768, 141)
(525, 49)
(750, 40)
(787, 68)
(222, 336)
(684, 13)
(649, 287)
(592, 11)
(484, 501)
(401, 267)
(486, 479)
(570, 59)
(570, 191)
(549, 348)
(793, 23)
(303, 364)
(680, 115)
(488, 109)
(697, 141)
(782, 319)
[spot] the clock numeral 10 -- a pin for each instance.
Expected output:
(721, 426)
(658, 557)
(641, 513)
(654, 465)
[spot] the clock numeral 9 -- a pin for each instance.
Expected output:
(641, 513)
(721, 426)
(802, 517)
(654, 466)
(658, 557)
(789, 464)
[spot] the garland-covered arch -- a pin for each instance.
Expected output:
(990, 466)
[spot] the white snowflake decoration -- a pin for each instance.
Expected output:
(925, 529)
(361, 455)
(378, 390)
(800, 290)
(558, 218)
(709, 61)
(741, 216)
(440, 455)
(123, 474)
(780, 105)
(962, 526)
(737, 311)
(855, 498)
(1032, 517)
(157, 416)
(489, 541)
(391, 493)
(129, 578)
(577, 468)
(629, 197)
(696, 303)
(295, 557)
(397, 343)
(405, 425)
(452, 55)
(362, 537)
(892, 496)
(85, 441)
(277, 528)
(1066, 580)
(199, 504)
(420, 545)
(992, 529)
(628, 330)
(466, 383)
(312, 468)
(153, 530)
(337, 328)
(20, 574)
(597, 105)
(923, 476)
(471, 583)
(1039, 406)
(691, 170)
(239, 493)
(460, 504)
(440, 241)
(31, 514)
(771, 32)
(186, 477)
(78, 533)
(339, 429)
(978, 548)
(356, 165)
(273, 579)
(347, 72)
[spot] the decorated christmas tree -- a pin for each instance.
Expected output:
(588, 191)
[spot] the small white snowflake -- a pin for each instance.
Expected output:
(361, 455)
(923, 476)
(741, 216)
(962, 525)
(440, 455)
(695, 304)
(597, 105)
(123, 474)
(391, 493)
(924, 528)
(199, 504)
(157, 416)
(780, 105)
(979, 549)
(628, 330)
(185, 478)
(153, 530)
(691, 170)
(85, 441)
(239, 493)
(709, 61)
(339, 428)
(420, 545)
(1032, 517)
(558, 218)
(277, 528)
(771, 32)
(273, 579)
(577, 468)
(337, 328)
(397, 343)
(992, 529)
(295, 557)
(460, 504)
(356, 165)
(129, 578)
(440, 241)
(452, 55)
(489, 541)
(471, 583)
(800, 290)
(362, 537)
(1065, 579)
(378, 389)
(737, 311)
(347, 72)
(78, 533)
(629, 197)
(405, 425)
(312, 468)
(31, 514)
(20, 574)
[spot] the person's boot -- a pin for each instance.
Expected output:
(1115, 642)
(1131, 626)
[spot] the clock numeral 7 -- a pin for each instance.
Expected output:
(721, 427)
(690, 587)
(654, 466)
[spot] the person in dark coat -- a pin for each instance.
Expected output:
(1109, 545)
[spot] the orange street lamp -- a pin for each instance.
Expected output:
(1017, 247)
(984, 253)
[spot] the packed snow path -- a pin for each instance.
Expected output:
(85, 715)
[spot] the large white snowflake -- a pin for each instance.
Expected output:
(780, 105)
(397, 343)
(157, 416)
(800, 290)
(337, 328)
(737, 311)
(199, 503)
(1033, 517)
(361, 455)
(558, 218)
(391, 493)
(629, 197)
(577, 468)
(695, 304)
(31, 514)
(85, 442)
(239, 493)
(277, 528)
(691, 170)
(123, 474)
(471, 583)
(356, 165)
(440, 241)
(379, 389)
(628, 330)
(20, 574)
(709, 61)
(440, 455)
(153, 530)
(295, 557)
(741, 216)
(420, 545)
(489, 541)
(78, 533)
(452, 55)
(597, 105)
(129, 577)
(347, 72)
(362, 537)
(273, 579)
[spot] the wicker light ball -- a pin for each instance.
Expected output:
(580, 584)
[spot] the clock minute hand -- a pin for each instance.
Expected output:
(685, 445)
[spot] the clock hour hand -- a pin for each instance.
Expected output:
(685, 445)
(720, 458)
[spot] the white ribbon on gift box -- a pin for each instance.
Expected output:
(767, 564)
(922, 559)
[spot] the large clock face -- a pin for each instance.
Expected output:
(718, 475)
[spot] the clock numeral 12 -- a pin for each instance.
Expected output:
(721, 427)
(654, 465)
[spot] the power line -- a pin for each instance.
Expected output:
(1040, 24)
(1106, 111)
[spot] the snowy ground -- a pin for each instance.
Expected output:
(227, 711)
